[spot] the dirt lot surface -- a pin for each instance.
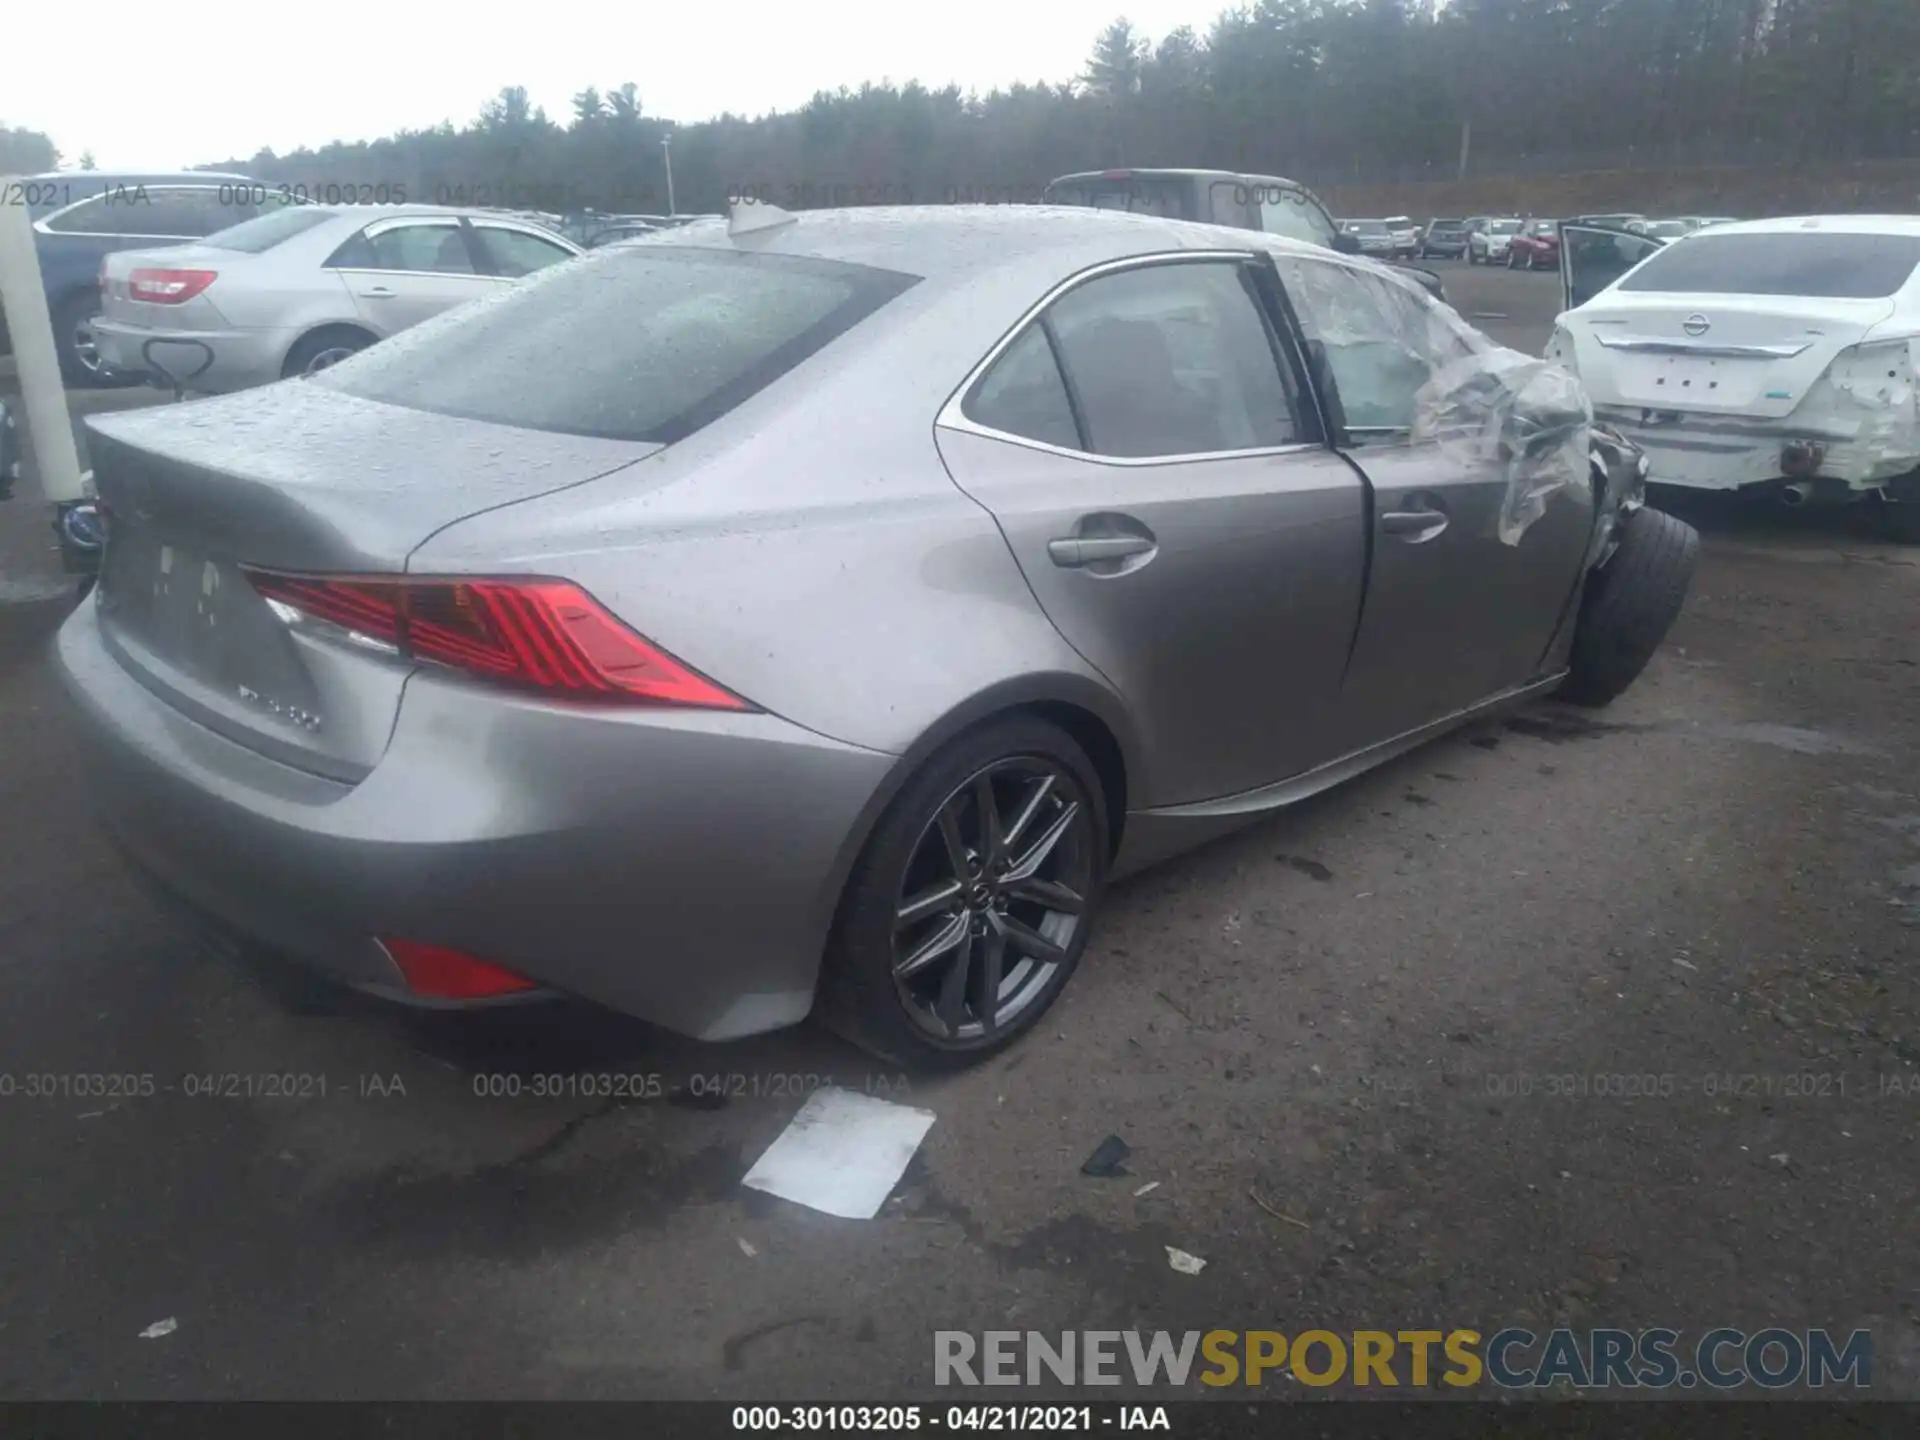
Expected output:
(1595, 1018)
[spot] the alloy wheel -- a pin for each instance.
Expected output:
(994, 895)
(86, 347)
(333, 355)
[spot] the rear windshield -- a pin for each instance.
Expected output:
(263, 232)
(1826, 266)
(640, 343)
(1504, 227)
(1171, 197)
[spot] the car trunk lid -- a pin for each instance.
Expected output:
(292, 478)
(1750, 356)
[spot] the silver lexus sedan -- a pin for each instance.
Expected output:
(298, 288)
(815, 613)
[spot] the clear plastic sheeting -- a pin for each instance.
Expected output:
(1407, 367)
(1530, 417)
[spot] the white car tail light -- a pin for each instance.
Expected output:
(169, 287)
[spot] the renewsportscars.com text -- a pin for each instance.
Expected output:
(1512, 1359)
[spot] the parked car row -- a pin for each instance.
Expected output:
(1533, 242)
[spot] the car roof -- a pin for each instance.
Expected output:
(1831, 224)
(121, 177)
(940, 242)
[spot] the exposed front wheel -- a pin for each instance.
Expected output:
(1629, 605)
(971, 904)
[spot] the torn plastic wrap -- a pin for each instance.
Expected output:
(1526, 415)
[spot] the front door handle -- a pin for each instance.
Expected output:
(1075, 551)
(379, 292)
(1413, 526)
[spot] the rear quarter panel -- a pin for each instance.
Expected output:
(810, 551)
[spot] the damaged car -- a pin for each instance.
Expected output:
(814, 613)
(1776, 356)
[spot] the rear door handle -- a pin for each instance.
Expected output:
(379, 292)
(1075, 551)
(1413, 525)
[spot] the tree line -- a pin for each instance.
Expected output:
(1322, 90)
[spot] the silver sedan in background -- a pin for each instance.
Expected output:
(817, 611)
(293, 291)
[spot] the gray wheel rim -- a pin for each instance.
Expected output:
(86, 348)
(332, 355)
(992, 899)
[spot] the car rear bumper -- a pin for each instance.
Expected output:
(240, 358)
(1728, 452)
(679, 866)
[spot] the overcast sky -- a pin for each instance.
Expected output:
(147, 86)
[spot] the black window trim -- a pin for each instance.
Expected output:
(953, 414)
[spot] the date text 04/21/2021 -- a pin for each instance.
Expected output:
(894, 1419)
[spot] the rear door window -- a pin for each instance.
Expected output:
(1023, 394)
(1826, 266)
(1168, 196)
(677, 337)
(1163, 360)
(518, 252)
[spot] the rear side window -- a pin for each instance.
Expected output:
(252, 237)
(631, 343)
(1826, 266)
(518, 252)
(1171, 198)
(1292, 213)
(158, 212)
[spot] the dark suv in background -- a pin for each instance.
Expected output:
(82, 216)
(1218, 197)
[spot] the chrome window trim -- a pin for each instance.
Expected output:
(953, 417)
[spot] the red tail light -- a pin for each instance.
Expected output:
(442, 974)
(168, 287)
(544, 635)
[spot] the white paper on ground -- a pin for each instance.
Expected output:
(842, 1153)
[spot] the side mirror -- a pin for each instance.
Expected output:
(1346, 244)
(9, 453)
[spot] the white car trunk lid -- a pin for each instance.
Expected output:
(1726, 354)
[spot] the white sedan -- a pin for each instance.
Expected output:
(1767, 353)
(296, 290)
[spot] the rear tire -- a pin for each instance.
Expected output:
(74, 346)
(865, 997)
(1629, 606)
(322, 348)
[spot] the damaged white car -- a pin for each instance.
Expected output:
(1769, 353)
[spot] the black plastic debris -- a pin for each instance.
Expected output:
(1106, 1158)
